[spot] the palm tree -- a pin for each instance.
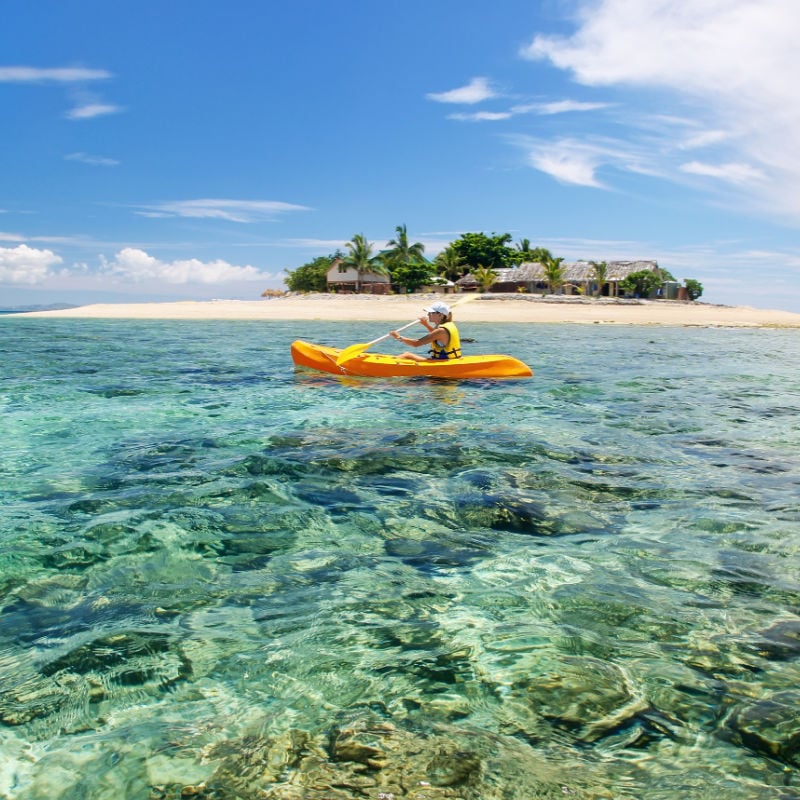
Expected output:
(539, 254)
(600, 275)
(360, 258)
(485, 276)
(553, 272)
(450, 264)
(401, 252)
(524, 245)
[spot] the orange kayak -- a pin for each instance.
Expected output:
(376, 365)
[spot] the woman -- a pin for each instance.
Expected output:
(442, 336)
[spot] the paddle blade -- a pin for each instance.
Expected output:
(356, 350)
(353, 351)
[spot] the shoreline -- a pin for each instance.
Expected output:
(467, 308)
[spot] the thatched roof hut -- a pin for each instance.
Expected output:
(530, 276)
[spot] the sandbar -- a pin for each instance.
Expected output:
(466, 308)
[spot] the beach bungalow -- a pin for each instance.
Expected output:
(578, 277)
(341, 278)
(469, 283)
(581, 273)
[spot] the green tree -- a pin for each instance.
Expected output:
(476, 249)
(600, 269)
(521, 252)
(530, 255)
(694, 288)
(413, 274)
(666, 275)
(450, 264)
(311, 277)
(360, 258)
(485, 276)
(401, 252)
(642, 283)
(553, 272)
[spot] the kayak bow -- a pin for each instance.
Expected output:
(376, 365)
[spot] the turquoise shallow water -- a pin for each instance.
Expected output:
(223, 577)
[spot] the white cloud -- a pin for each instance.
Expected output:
(84, 106)
(26, 265)
(230, 210)
(731, 65)
(567, 161)
(136, 265)
(91, 110)
(576, 161)
(476, 91)
(707, 47)
(53, 75)
(557, 107)
(703, 139)
(544, 109)
(732, 173)
(481, 116)
(94, 161)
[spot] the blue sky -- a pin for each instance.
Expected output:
(197, 149)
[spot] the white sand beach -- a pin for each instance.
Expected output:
(467, 308)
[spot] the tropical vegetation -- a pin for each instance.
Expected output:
(553, 272)
(641, 284)
(485, 276)
(360, 259)
(478, 255)
(407, 263)
(312, 277)
(693, 288)
(479, 250)
(450, 264)
(600, 274)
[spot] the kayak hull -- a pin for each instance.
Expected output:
(377, 365)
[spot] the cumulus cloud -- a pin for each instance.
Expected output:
(729, 64)
(25, 265)
(476, 91)
(136, 265)
(692, 45)
(230, 210)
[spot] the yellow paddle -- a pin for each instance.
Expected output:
(356, 350)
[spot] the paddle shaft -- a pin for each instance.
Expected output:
(387, 335)
(357, 349)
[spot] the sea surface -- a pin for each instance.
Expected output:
(222, 577)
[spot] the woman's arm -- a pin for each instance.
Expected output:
(442, 335)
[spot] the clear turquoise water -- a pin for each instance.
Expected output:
(214, 569)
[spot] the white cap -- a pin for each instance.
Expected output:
(438, 308)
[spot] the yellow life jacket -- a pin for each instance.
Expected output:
(453, 349)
